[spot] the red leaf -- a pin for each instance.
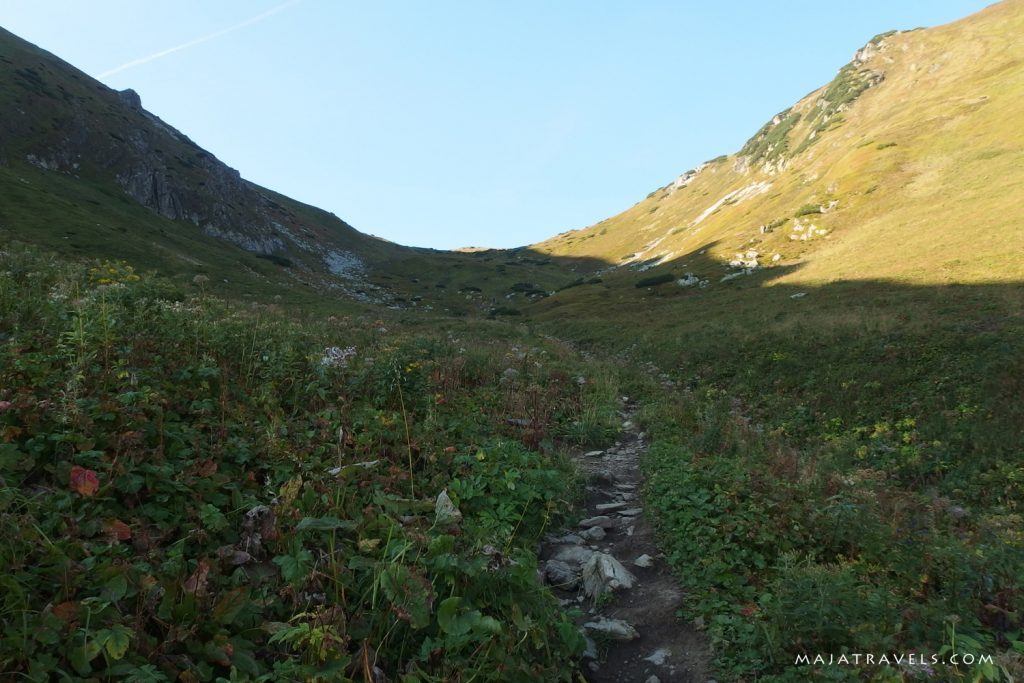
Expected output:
(118, 530)
(83, 481)
(66, 611)
(197, 582)
(206, 468)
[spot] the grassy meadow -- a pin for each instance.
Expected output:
(837, 469)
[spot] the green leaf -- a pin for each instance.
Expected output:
(117, 642)
(448, 617)
(81, 655)
(80, 660)
(115, 588)
(294, 567)
(485, 624)
(230, 605)
(212, 518)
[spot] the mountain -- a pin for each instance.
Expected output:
(85, 170)
(803, 363)
(907, 166)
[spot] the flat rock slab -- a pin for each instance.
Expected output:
(602, 521)
(658, 657)
(569, 539)
(613, 629)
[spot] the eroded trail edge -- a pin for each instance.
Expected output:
(609, 566)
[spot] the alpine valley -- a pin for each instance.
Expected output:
(768, 417)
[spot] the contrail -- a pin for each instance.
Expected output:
(197, 41)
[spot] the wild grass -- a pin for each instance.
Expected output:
(839, 472)
(195, 490)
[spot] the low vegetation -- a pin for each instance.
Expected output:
(839, 479)
(655, 280)
(195, 491)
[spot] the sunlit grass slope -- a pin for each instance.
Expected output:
(908, 167)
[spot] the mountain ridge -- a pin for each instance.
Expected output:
(816, 176)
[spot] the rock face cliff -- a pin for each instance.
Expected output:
(62, 120)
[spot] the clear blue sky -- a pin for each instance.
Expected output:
(447, 124)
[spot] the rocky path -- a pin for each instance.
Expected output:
(610, 567)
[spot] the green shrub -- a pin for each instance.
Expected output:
(655, 280)
(808, 209)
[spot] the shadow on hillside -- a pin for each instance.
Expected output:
(959, 344)
(697, 280)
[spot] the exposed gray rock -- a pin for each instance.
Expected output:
(615, 629)
(131, 98)
(609, 507)
(574, 539)
(344, 263)
(644, 561)
(573, 555)
(559, 573)
(601, 521)
(594, 533)
(591, 650)
(603, 573)
(658, 657)
(631, 512)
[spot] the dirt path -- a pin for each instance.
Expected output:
(610, 567)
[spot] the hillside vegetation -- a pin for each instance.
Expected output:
(906, 167)
(327, 457)
(195, 491)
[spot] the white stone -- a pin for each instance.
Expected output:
(603, 573)
(445, 510)
(615, 629)
(644, 561)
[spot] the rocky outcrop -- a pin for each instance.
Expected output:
(131, 98)
(59, 119)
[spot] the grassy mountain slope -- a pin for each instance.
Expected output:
(86, 171)
(912, 155)
(837, 433)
